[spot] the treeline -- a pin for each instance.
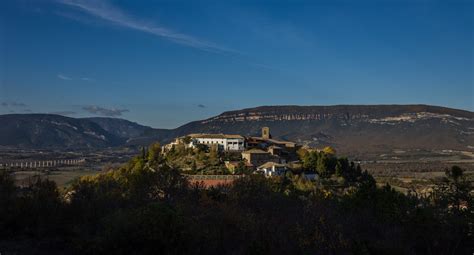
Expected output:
(148, 207)
(327, 165)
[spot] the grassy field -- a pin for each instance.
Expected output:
(418, 181)
(61, 177)
(404, 176)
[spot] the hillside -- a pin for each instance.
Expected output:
(121, 128)
(53, 131)
(351, 129)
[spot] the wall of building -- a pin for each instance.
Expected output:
(232, 144)
(266, 133)
(257, 159)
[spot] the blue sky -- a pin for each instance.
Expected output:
(164, 63)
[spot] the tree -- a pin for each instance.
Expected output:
(8, 197)
(310, 161)
(329, 150)
(187, 140)
(455, 173)
(342, 167)
(453, 201)
(302, 153)
(323, 165)
(201, 148)
(153, 228)
(7, 186)
(455, 191)
(358, 170)
(242, 169)
(214, 155)
(144, 154)
(154, 152)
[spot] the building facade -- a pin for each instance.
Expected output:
(257, 157)
(222, 141)
(270, 169)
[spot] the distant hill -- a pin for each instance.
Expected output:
(351, 129)
(53, 131)
(133, 133)
(122, 128)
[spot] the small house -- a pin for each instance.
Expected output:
(270, 169)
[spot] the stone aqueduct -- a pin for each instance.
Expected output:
(41, 163)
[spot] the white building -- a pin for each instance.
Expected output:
(224, 142)
(270, 169)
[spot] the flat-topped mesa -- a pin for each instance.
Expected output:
(272, 117)
(343, 113)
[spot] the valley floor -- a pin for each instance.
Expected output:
(404, 170)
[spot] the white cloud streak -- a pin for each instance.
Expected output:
(13, 104)
(87, 79)
(64, 77)
(112, 14)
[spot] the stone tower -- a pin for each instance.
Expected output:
(266, 133)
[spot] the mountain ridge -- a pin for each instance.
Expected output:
(349, 128)
(50, 130)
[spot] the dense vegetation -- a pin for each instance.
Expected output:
(147, 206)
(200, 160)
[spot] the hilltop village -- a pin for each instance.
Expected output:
(233, 154)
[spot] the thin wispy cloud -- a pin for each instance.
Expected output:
(69, 78)
(63, 77)
(17, 104)
(87, 79)
(13, 104)
(97, 110)
(265, 67)
(108, 12)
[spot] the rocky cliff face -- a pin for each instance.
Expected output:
(381, 114)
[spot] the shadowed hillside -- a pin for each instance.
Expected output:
(351, 129)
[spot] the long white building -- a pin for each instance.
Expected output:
(224, 142)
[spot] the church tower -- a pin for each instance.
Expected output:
(266, 133)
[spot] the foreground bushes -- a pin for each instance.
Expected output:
(140, 209)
